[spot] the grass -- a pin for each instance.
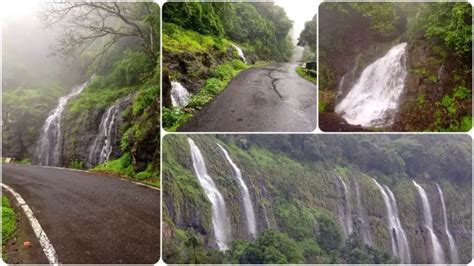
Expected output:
(124, 168)
(220, 77)
(8, 223)
(176, 40)
(305, 74)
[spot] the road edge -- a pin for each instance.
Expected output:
(43, 239)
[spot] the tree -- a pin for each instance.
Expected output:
(308, 35)
(271, 247)
(104, 24)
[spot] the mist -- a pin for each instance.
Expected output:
(28, 54)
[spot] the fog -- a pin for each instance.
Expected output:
(299, 13)
(27, 50)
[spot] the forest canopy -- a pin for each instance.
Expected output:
(264, 26)
(391, 155)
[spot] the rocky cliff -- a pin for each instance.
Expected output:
(295, 189)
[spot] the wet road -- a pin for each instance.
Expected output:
(90, 218)
(270, 98)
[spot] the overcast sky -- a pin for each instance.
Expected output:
(299, 11)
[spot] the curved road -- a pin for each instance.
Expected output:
(90, 218)
(269, 98)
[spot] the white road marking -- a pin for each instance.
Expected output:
(48, 248)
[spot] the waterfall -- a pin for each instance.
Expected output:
(438, 254)
(240, 52)
(244, 191)
(179, 94)
(365, 227)
(220, 220)
(104, 142)
(342, 82)
(49, 145)
(346, 214)
(452, 246)
(374, 99)
(398, 237)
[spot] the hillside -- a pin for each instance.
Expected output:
(315, 199)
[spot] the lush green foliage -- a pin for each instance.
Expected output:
(386, 155)
(440, 45)
(220, 77)
(293, 176)
(306, 74)
(355, 251)
(308, 35)
(271, 247)
(8, 221)
(264, 26)
(177, 39)
(451, 23)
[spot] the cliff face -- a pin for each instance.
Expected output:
(293, 195)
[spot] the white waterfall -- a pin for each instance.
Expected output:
(398, 237)
(179, 94)
(452, 245)
(342, 82)
(366, 235)
(374, 99)
(347, 210)
(48, 148)
(240, 52)
(220, 220)
(438, 254)
(103, 144)
(246, 199)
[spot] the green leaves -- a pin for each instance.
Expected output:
(452, 24)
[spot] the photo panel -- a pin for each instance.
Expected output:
(81, 132)
(239, 67)
(317, 199)
(404, 67)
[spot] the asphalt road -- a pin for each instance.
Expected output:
(269, 98)
(90, 218)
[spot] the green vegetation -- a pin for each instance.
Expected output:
(308, 35)
(264, 26)
(439, 37)
(77, 165)
(123, 167)
(271, 247)
(220, 77)
(304, 73)
(8, 224)
(292, 183)
(198, 47)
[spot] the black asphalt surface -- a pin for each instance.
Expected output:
(90, 218)
(269, 98)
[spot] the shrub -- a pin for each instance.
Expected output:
(76, 164)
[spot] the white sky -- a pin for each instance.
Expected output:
(299, 11)
(16, 8)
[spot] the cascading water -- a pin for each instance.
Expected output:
(347, 208)
(220, 220)
(452, 245)
(365, 227)
(244, 191)
(104, 142)
(179, 94)
(398, 237)
(374, 99)
(240, 52)
(342, 82)
(48, 148)
(438, 254)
